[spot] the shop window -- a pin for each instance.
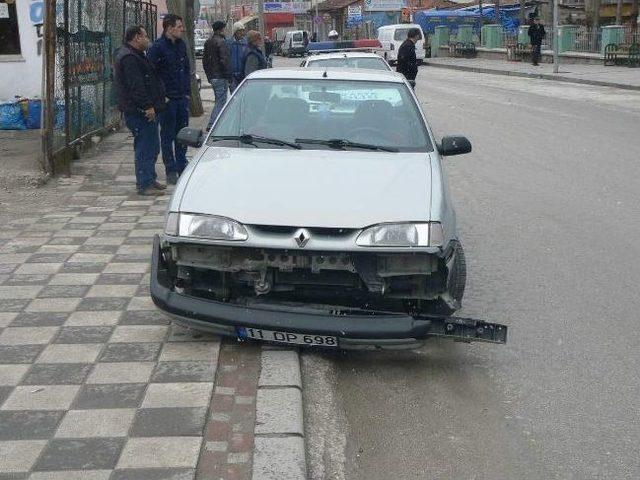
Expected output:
(9, 34)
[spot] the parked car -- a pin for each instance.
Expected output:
(294, 43)
(392, 36)
(316, 212)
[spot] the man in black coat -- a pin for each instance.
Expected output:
(216, 62)
(536, 34)
(141, 97)
(407, 60)
(171, 60)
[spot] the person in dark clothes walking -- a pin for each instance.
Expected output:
(141, 97)
(216, 62)
(536, 34)
(254, 59)
(407, 60)
(169, 55)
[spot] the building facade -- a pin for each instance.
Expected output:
(21, 48)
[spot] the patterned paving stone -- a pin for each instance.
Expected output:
(119, 395)
(155, 422)
(29, 425)
(80, 454)
(83, 334)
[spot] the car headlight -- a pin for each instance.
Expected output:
(204, 226)
(402, 235)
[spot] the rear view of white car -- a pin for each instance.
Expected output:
(392, 36)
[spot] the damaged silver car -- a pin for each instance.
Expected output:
(316, 212)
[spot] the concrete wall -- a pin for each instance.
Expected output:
(22, 74)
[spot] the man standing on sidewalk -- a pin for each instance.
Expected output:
(169, 55)
(141, 97)
(215, 62)
(536, 34)
(407, 60)
(237, 46)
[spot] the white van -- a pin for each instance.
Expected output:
(294, 43)
(392, 36)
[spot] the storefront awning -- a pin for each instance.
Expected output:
(246, 20)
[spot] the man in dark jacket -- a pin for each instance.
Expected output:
(536, 34)
(216, 64)
(407, 60)
(169, 55)
(141, 97)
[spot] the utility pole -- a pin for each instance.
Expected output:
(619, 12)
(261, 16)
(556, 34)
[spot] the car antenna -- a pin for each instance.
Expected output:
(324, 75)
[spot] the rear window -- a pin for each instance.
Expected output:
(370, 63)
(297, 37)
(401, 34)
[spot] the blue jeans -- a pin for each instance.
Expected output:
(220, 87)
(172, 120)
(146, 145)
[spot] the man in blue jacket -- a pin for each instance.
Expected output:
(169, 55)
(237, 48)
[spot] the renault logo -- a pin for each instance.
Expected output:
(302, 237)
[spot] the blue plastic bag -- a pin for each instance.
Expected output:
(33, 115)
(11, 117)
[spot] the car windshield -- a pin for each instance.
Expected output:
(341, 113)
(372, 63)
(297, 37)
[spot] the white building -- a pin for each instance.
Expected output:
(21, 45)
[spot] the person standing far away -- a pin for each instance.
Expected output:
(169, 55)
(141, 98)
(237, 46)
(536, 34)
(216, 62)
(407, 60)
(254, 59)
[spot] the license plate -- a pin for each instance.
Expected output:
(287, 337)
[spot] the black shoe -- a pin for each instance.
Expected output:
(150, 192)
(158, 186)
(172, 178)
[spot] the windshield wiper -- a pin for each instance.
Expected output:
(341, 144)
(251, 139)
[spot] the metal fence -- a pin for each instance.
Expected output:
(587, 39)
(631, 36)
(87, 35)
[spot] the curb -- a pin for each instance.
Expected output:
(279, 429)
(540, 76)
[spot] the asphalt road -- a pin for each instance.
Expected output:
(549, 212)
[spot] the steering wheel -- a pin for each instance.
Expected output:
(366, 134)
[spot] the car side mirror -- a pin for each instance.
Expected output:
(454, 145)
(191, 137)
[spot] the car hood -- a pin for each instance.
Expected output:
(310, 188)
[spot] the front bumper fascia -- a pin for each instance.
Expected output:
(355, 331)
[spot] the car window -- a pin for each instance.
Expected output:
(371, 63)
(378, 113)
(297, 37)
(400, 34)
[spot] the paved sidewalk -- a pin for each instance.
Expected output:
(95, 383)
(619, 77)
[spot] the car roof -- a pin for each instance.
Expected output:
(329, 73)
(338, 54)
(399, 25)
